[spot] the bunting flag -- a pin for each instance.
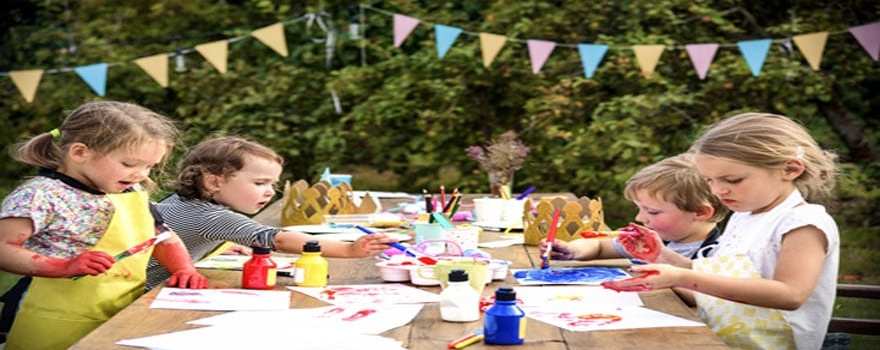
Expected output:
(755, 52)
(648, 56)
(701, 56)
(491, 44)
(445, 36)
(403, 26)
(156, 66)
(27, 82)
(868, 36)
(95, 76)
(273, 37)
(812, 45)
(591, 56)
(539, 52)
(216, 53)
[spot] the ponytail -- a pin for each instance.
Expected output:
(40, 151)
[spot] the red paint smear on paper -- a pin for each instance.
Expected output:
(641, 287)
(594, 320)
(639, 242)
(360, 314)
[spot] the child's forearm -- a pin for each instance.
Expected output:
(592, 248)
(667, 256)
(754, 291)
(172, 255)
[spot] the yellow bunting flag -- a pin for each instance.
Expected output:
(216, 53)
(648, 56)
(812, 45)
(273, 37)
(156, 66)
(491, 44)
(27, 81)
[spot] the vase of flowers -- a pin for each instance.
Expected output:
(500, 159)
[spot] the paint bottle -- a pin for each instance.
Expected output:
(259, 272)
(505, 322)
(311, 267)
(459, 302)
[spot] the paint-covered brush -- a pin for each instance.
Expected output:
(427, 260)
(138, 248)
(601, 234)
(551, 236)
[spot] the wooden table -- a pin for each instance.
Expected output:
(427, 330)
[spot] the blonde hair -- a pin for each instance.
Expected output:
(103, 126)
(768, 141)
(675, 180)
(221, 156)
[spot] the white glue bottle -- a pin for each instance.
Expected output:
(459, 302)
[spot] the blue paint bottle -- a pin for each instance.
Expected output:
(505, 322)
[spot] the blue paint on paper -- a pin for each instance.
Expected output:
(577, 275)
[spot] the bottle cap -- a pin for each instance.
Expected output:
(311, 247)
(458, 276)
(261, 250)
(505, 294)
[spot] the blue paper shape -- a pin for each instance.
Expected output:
(95, 76)
(578, 275)
(755, 52)
(591, 56)
(445, 36)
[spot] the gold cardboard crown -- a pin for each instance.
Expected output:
(575, 216)
(305, 205)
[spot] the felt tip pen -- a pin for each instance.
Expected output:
(526, 193)
(469, 342)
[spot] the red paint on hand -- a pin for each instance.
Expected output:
(89, 263)
(641, 242)
(634, 284)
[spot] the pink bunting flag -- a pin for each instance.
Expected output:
(539, 51)
(701, 56)
(868, 36)
(403, 26)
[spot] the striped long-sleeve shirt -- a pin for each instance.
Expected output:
(203, 226)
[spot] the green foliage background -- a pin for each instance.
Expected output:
(407, 116)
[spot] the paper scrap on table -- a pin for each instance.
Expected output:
(598, 318)
(587, 275)
(361, 319)
(569, 297)
(504, 242)
(264, 336)
(221, 299)
(387, 293)
(235, 262)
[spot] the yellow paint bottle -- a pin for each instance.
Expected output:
(311, 267)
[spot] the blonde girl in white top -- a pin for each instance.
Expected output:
(771, 282)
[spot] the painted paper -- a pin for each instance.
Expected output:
(390, 293)
(588, 275)
(221, 299)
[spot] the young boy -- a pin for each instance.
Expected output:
(674, 201)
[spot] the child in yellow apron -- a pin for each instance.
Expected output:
(83, 209)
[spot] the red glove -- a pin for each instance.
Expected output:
(640, 242)
(188, 279)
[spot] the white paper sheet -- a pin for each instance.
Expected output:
(388, 293)
(505, 241)
(361, 319)
(558, 297)
(221, 299)
(598, 317)
(264, 336)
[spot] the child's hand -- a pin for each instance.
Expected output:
(641, 242)
(368, 245)
(561, 250)
(237, 249)
(188, 278)
(89, 263)
(649, 277)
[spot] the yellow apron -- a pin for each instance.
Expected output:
(739, 325)
(57, 312)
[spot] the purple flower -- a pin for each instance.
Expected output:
(502, 157)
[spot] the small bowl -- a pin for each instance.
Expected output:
(395, 271)
(499, 268)
(423, 275)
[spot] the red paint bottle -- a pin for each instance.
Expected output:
(259, 272)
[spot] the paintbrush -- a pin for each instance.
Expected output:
(138, 248)
(427, 260)
(551, 236)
